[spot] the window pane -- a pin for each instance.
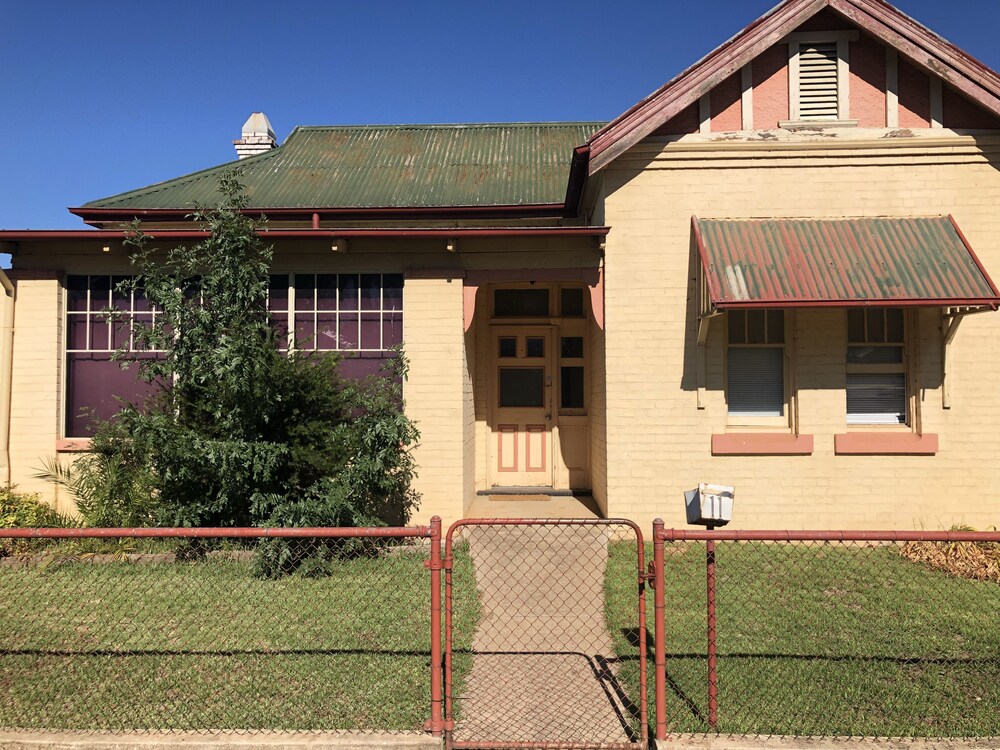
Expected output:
(522, 387)
(571, 347)
(392, 291)
(76, 292)
(348, 292)
(755, 327)
(305, 332)
(371, 291)
(76, 332)
(894, 325)
(95, 383)
(776, 326)
(572, 387)
(326, 291)
(305, 291)
(571, 303)
(348, 332)
(737, 327)
(326, 331)
(508, 347)
(876, 326)
(392, 330)
(874, 355)
(521, 303)
(371, 331)
(876, 399)
(534, 347)
(756, 382)
(856, 326)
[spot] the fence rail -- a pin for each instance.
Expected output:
(834, 633)
(232, 629)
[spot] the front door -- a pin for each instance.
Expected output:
(522, 396)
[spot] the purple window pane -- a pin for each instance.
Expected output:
(100, 333)
(76, 332)
(392, 330)
(120, 299)
(305, 291)
(100, 292)
(96, 383)
(141, 322)
(392, 291)
(140, 302)
(277, 292)
(326, 291)
(348, 291)
(121, 333)
(371, 291)
(279, 322)
(326, 331)
(305, 332)
(348, 332)
(76, 292)
(371, 332)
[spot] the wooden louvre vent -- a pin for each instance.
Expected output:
(818, 81)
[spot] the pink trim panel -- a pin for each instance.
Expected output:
(885, 444)
(761, 444)
(73, 445)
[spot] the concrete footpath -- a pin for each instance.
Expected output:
(192, 741)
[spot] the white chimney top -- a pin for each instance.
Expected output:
(258, 136)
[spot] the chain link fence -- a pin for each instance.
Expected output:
(552, 613)
(829, 633)
(243, 630)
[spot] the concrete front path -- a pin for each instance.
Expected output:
(543, 661)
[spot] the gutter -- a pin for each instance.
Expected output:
(6, 374)
(17, 235)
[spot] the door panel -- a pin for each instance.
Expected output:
(522, 406)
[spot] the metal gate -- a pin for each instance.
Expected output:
(545, 634)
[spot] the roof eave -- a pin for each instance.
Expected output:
(923, 47)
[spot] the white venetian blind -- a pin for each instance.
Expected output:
(818, 81)
(756, 381)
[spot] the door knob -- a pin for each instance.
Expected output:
(548, 417)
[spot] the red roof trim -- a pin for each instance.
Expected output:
(16, 235)
(923, 47)
(990, 302)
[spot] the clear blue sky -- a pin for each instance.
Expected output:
(98, 98)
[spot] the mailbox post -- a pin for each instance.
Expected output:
(711, 506)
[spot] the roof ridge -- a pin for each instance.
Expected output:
(421, 125)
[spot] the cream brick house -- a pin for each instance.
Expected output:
(768, 273)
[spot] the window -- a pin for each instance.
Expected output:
(94, 381)
(360, 314)
(521, 303)
(755, 365)
(819, 77)
(571, 382)
(876, 367)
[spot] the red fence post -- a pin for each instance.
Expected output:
(437, 682)
(713, 690)
(659, 632)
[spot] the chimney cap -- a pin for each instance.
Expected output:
(258, 124)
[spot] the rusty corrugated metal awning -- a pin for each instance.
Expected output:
(886, 262)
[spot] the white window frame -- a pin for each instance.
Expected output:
(903, 367)
(795, 43)
(761, 420)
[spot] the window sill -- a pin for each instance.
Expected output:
(73, 445)
(761, 444)
(885, 444)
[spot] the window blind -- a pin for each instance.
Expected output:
(876, 398)
(756, 381)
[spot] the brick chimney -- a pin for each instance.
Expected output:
(258, 136)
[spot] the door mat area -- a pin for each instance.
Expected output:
(519, 498)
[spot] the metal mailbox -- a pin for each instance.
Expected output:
(710, 504)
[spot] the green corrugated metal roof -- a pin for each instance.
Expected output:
(390, 166)
(804, 262)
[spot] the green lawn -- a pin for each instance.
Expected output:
(819, 640)
(126, 645)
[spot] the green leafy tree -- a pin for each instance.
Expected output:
(240, 433)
